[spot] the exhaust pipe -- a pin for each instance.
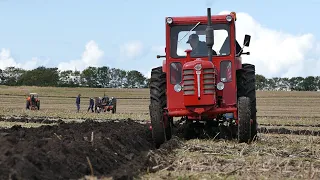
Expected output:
(209, 34)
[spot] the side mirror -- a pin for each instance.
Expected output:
(246, 41)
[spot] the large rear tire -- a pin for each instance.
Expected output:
(246, 83)
(158, 101)
(27, 104)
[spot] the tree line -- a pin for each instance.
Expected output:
(95, 77)
(106, 77)
(309, 83)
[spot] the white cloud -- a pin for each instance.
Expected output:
(131, 50)
(6, 60)
(90, 57)
(34, 63)
(276, 53)
(158, 49)
(148, 74)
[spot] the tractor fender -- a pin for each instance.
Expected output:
(164, 67)
(238, 63)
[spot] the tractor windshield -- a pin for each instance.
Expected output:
(194, 37)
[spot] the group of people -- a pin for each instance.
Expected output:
(94, 105)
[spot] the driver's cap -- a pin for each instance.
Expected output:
(193, 36)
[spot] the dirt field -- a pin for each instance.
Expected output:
(53, 144)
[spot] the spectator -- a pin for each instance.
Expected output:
(91, 104)
(78, 102)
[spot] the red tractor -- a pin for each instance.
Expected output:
(33, 101)
(208, 86)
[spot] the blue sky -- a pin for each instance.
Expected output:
(59, 29)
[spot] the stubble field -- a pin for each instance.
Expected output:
(59, 143)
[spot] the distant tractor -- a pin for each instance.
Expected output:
(208, 87)
(105, 104)
(33, 101)
(111, 105)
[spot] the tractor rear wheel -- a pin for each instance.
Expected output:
(27, 104)
(158, 101)
(246, 83)
(244, 120)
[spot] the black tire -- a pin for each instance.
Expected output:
(27, 105)
(244, 120)
(38, 105)
(189, 131)
(168, 129)
(158, 101)
(246, 86)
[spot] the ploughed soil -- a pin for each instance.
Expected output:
(118, 149)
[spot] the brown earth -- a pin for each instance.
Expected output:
(30, 120)
(119, 149)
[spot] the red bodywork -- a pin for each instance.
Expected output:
(206, 102)
(108, 108)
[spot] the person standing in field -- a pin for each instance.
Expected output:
(91, 104)
(78, 103)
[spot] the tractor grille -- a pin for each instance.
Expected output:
(189, 82)
(208, 81)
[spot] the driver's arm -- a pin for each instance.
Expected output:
(204, 49)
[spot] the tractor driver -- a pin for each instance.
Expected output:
(198, 47)
(33, 100)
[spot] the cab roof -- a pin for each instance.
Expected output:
(201, 19)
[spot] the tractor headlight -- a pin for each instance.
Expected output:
(169, 20)
(177, 87)
(220, 86)
(229, 18)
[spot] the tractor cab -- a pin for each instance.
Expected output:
(35, 95)
(202, 78)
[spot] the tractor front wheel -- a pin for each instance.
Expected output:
(168, 130)
(244, 120)
(161, 125)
